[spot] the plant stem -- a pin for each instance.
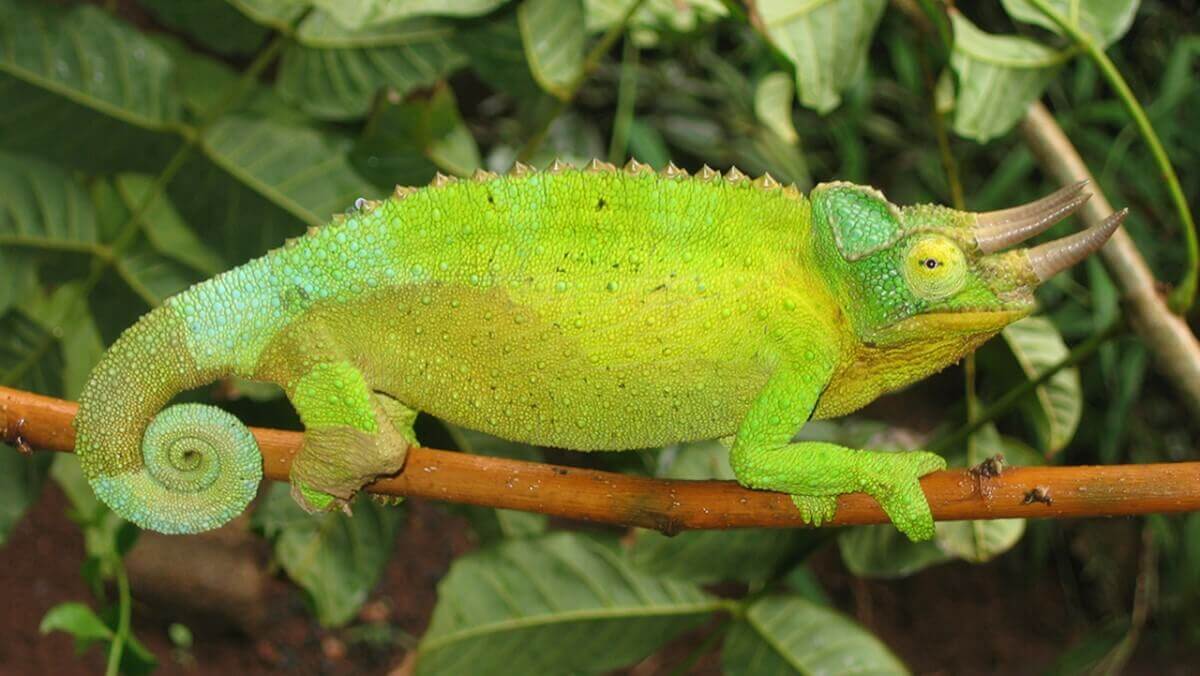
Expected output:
(1016, 394)
(674, 505)
(1182, 297)
(590, 62)
(124, 606)
(626, 99)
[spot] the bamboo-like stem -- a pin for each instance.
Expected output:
(34, 421)
(1167, 335)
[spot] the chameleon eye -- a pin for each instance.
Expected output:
(934, 268)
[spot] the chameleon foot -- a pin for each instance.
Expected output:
(894, 481)
(816, 509)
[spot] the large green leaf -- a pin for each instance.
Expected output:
(17, 277)
(563, 603)
(169, 235)
(883, 552)
(30, 356)
(1058, 403)
(296, 168)
(339, 84)
(212, 23)
(1104, 20)
(277, 14)
(553, 34)
(787, 634)
(358, 14)
(773, 105)
(321, 30)
(826, 40)
(65, 316)
(42, 207)
(89, 57)
(999, 76)
(495, 52)
(405, 143)
(336, 559)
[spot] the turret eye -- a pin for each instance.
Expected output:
(934, 268)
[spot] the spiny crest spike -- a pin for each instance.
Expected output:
(520, 169)
(558, 166)
(403, 191)
(338, 219)
(707, 173)
(673, 171)
(482, 175)
(596, 166)
(790, 190)
(440, 180)
(635, 167)
(734, 175)
(766, 182)
(312, 230)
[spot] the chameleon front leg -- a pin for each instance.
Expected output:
(815, 473)
(352, 435)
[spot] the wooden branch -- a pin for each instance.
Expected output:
(33, 421)
(1167, 335)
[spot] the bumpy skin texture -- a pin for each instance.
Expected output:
(594, 309)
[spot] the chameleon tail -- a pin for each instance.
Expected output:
(191, 467)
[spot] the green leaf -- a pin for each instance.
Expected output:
(21, 479)
(211, 23)
(999, 76)
(339, 84)
(86, 55)
(982, 540)
(495, 52)
(493, 524)
(296, 168)
(655, 18)
(786, 634)
(77, 620)
(321, 30)
(553, 34)
(358, 14)
(1058, 404)
(30, 356)
(278, 14)
(405, 143)
(563, 603)
(17, 278)
(66, 317)
(164, 227)
(42, 207)
(883, 552)
(773, 105)
(336, 559)
(826, 40)
(1104, 20)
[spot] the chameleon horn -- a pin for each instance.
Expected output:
(996, 230)
(1052, 258)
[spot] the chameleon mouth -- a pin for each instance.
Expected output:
(960, 322)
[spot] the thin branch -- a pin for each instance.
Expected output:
(1165, 333)
(33, 420)
(1181, 299)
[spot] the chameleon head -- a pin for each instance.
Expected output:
(922, 271)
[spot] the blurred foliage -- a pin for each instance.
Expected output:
(146, 145)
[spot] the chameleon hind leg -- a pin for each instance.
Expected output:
(815, 473)
(352, 435)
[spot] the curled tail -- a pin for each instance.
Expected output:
(186, 469)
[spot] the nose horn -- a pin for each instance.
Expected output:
(1052, 258)
(996, 230)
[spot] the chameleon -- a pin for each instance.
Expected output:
(600, 308)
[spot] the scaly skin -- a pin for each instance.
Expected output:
(595, 310)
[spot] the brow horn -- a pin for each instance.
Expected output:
(996, 230)
(1052, 258)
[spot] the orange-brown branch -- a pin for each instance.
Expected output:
(40, 422)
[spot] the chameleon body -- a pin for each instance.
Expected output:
(596, 309)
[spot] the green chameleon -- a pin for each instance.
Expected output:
(589, 309)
